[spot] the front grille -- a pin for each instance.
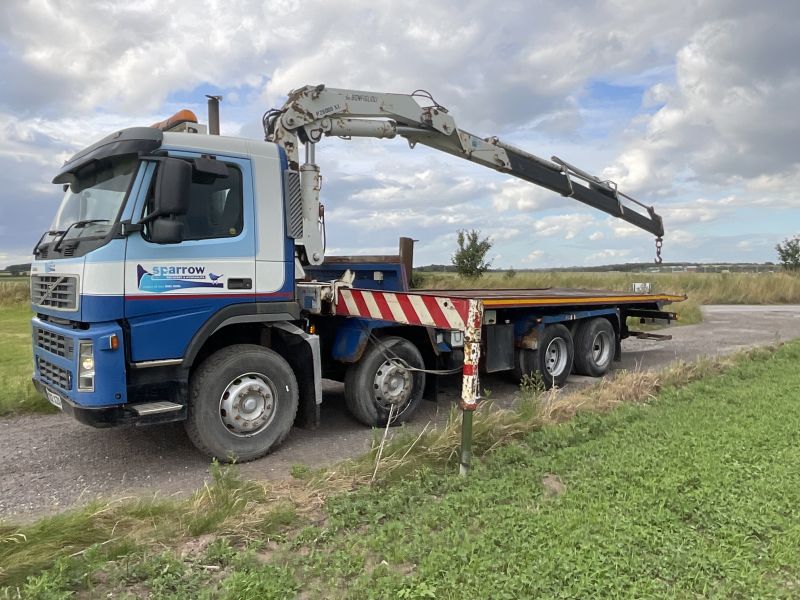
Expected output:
(55, 291)
(54, 375)
(54, 342)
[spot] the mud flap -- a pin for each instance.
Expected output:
(303, 354)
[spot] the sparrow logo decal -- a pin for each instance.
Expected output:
(175, 277)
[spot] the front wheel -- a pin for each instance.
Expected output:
(388, 378)
(242, 402)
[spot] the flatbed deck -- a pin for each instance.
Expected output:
(544, 297)
(452, 309)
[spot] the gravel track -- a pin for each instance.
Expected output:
(51, 462)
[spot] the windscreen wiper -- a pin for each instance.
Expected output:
(78, 225)
(39, 243)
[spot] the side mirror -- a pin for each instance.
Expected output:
(171, 194)
(166, 231)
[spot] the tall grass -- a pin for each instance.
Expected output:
(17, 393)
(493, 427)
(228, 505)
(704, 288)
(14, 292)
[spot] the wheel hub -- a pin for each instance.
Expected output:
(393, 384)
(247, 405)
(556, 356)
(601, 348)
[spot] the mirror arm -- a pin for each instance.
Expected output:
(126, 227)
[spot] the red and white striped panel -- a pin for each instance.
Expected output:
(411, 309)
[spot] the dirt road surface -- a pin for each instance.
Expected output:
(52, 462)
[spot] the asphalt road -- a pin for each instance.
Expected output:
(52, 462)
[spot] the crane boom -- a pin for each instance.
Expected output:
(312, 112)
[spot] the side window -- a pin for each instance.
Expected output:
(215, 207)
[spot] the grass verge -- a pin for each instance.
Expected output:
(706, 288)
(694, 494)
(17, 394)
(14, 292)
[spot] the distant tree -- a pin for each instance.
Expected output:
(511, 273)
(789, 253)
(469, 258)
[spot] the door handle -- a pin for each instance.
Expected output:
(240, 283)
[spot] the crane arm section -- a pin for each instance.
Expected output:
(312, 112)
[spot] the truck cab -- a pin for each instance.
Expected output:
(122, 312)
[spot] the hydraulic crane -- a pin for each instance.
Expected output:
(312, 112)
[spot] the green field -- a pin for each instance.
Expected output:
(16, 363)
(705, 288)
(17, 394)
(701, 288)
(693, 493)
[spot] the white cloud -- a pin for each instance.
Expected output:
(608, 254)
(534, 257)
(14, 258)
(731, 113)
(520, 196)
(564, 226)
(705, 126)
(622, 230)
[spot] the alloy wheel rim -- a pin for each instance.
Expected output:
(393, 385)
(556, 356)
(247, 405)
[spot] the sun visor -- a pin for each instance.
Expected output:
(134, 140)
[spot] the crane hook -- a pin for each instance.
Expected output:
(659, 244)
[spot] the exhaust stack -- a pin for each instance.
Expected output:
(213, 114)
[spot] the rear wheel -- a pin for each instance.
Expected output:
(243, 401)
(554, 355)
(594, 347)
(381, 381)
(524, 363)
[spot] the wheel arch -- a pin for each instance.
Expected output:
(268, 325)
(234, 322)
(353, 336)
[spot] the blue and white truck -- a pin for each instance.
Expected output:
(184, 278)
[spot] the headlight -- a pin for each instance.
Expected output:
(85, 366)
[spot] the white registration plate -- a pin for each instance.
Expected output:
(54, 398)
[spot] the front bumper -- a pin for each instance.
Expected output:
(56, 357)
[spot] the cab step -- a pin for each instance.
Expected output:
(155, 408)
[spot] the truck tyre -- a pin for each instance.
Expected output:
(378, 381)
(524, 363)
(242, 402)
(554, 355)
(594, 347)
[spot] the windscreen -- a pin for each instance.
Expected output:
(93, 198)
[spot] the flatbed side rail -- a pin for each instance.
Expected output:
(403, 307)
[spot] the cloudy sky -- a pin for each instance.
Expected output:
(690, 105)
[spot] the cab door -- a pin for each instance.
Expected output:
(172, 290)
